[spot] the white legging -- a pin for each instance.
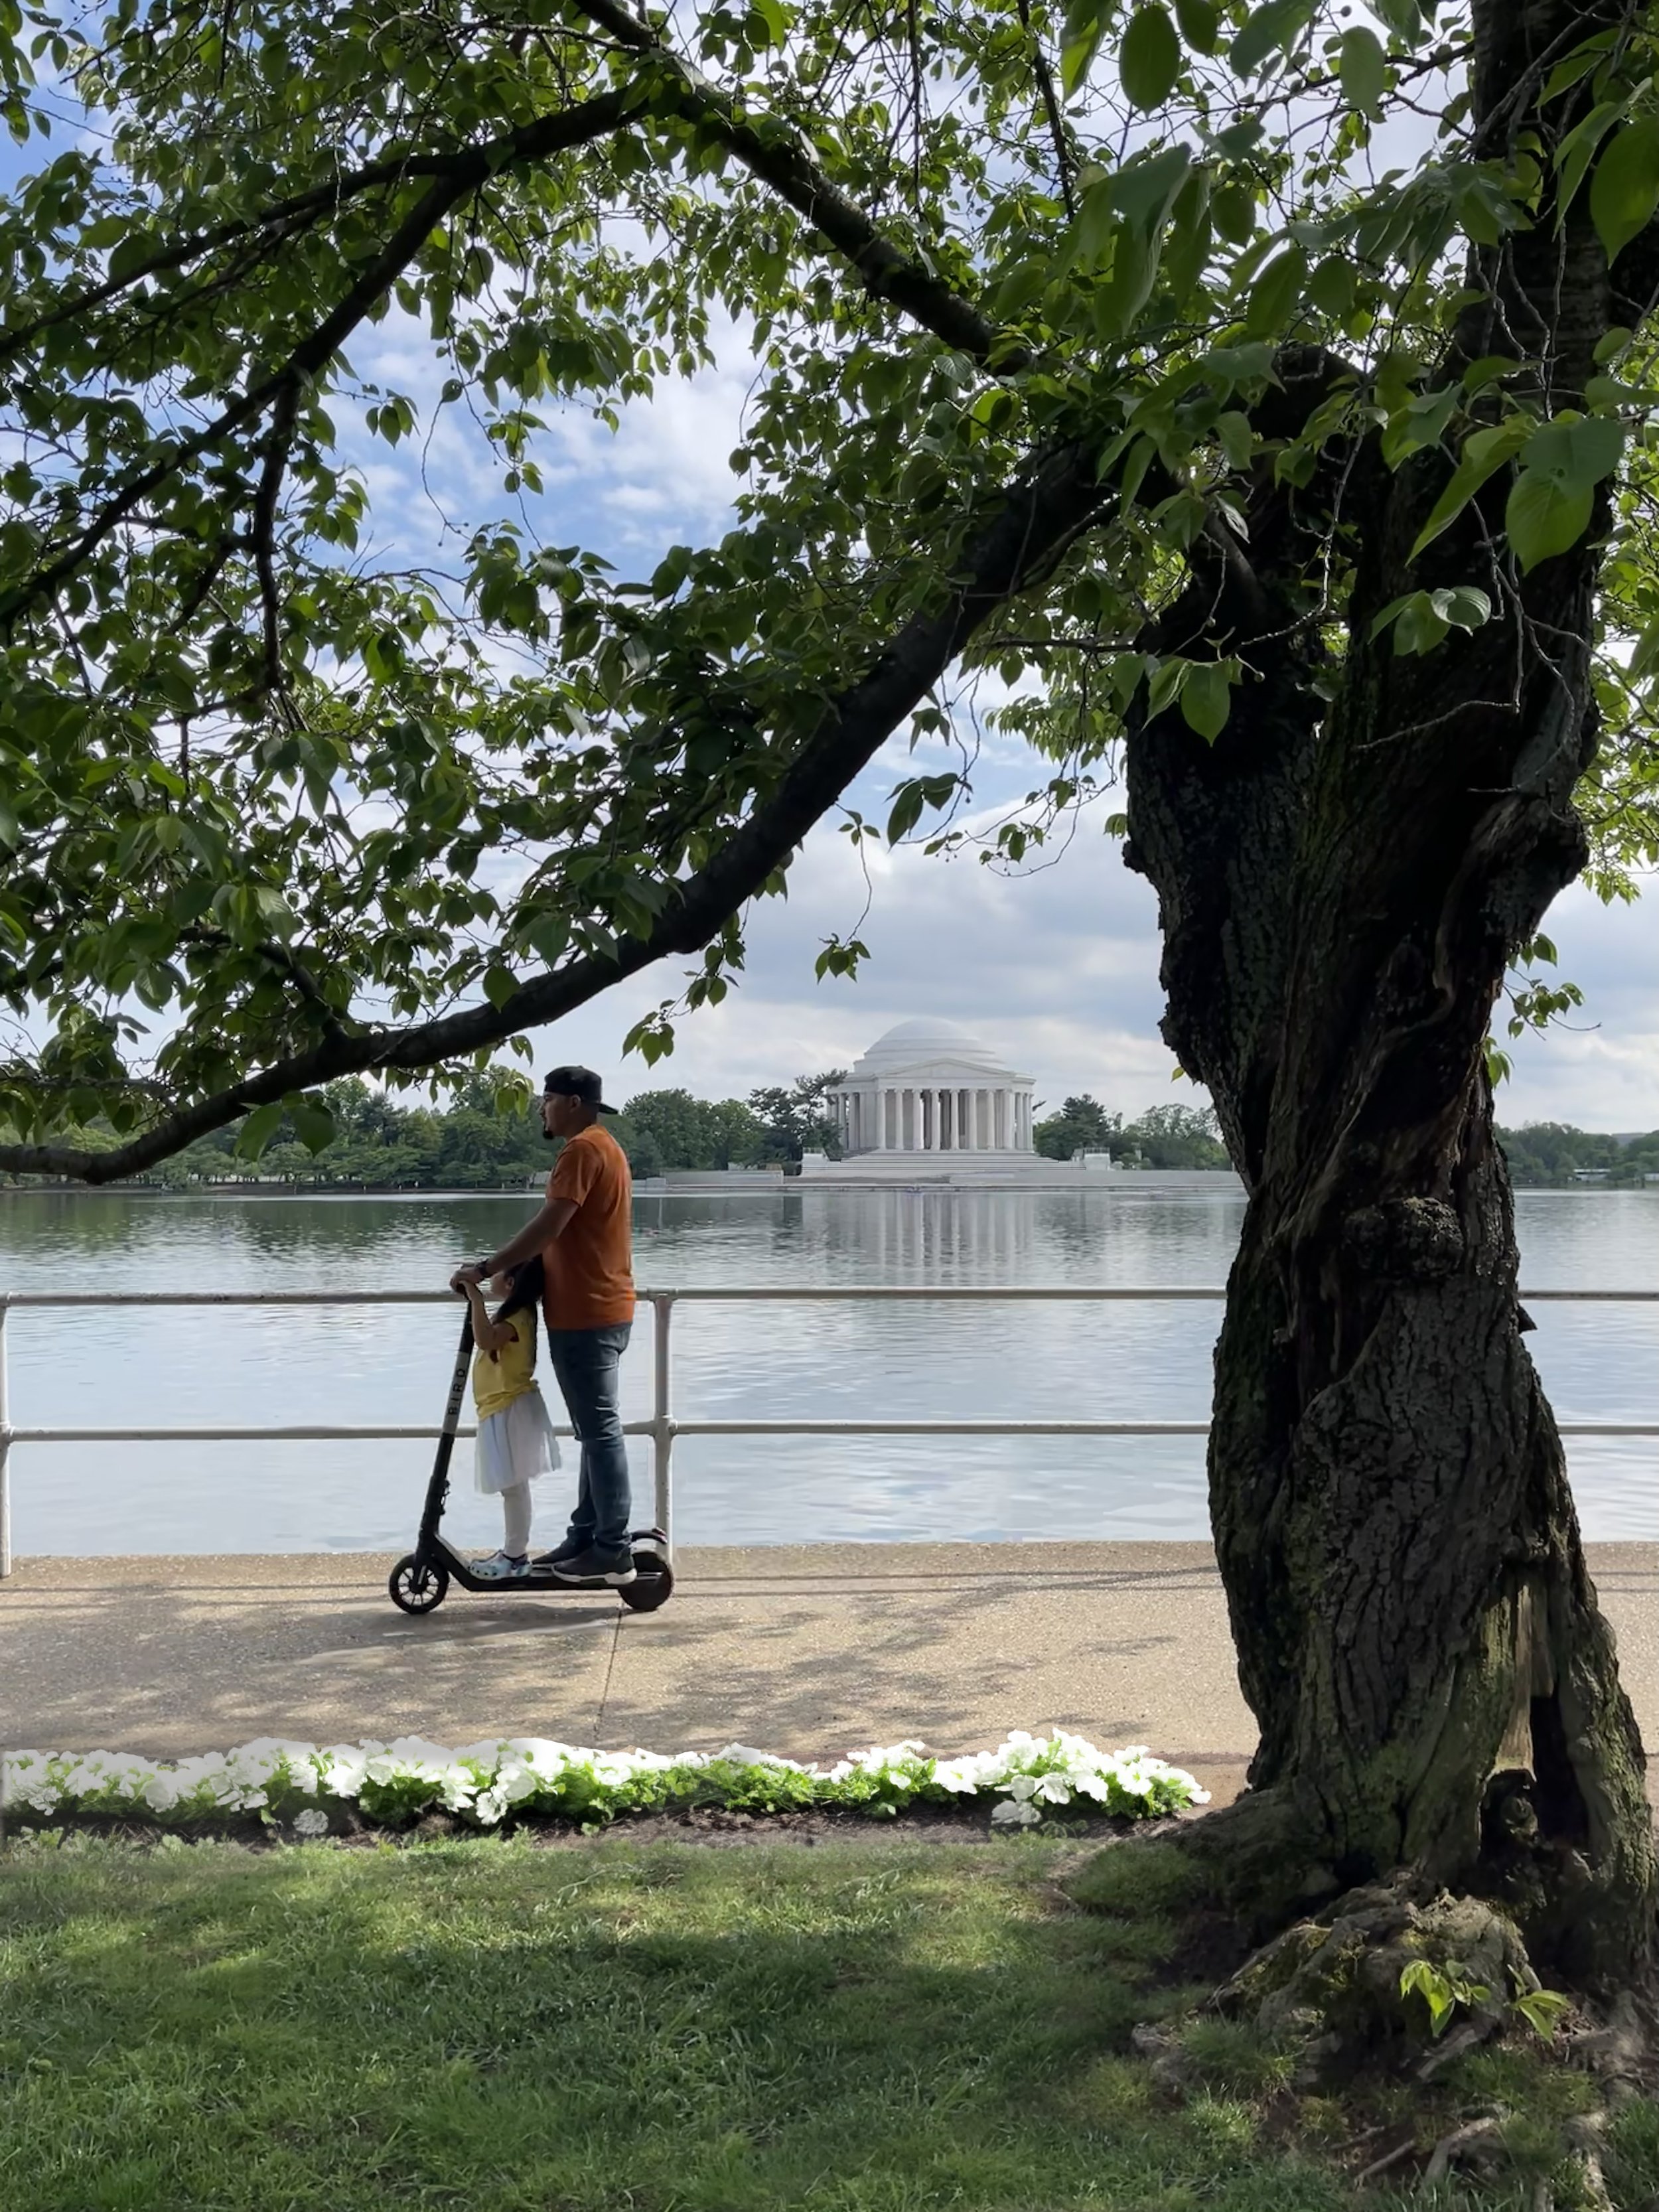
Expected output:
(515, 1511)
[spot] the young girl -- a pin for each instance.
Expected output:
(515, 1437)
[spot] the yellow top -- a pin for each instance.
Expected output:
(499, 1377)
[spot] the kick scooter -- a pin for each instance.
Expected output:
(420, 1581)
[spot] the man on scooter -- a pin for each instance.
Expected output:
(583, 1233)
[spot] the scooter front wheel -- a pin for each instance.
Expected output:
(418, 1585)
(653, 1584)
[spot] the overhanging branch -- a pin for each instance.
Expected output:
(1040, 515)
(775, 153)
(471, 167)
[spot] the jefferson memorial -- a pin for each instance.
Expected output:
(928, 1089)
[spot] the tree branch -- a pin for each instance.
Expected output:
(776, 156)
(1050, 108)
(473, 168)
(524, 143)
(1041, 515)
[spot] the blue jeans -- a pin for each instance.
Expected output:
(585, 1367)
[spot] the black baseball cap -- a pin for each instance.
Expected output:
(577, 1083)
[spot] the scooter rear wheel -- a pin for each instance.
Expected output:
(418, 1585)
(653, 1584)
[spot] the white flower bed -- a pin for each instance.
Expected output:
(295, 1783)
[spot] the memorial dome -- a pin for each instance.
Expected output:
(929, 1046)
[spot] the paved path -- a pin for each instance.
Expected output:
(805, 1650)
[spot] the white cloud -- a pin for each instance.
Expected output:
(1600, 1070)
(1059, 970)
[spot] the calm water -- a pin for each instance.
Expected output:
(1120, 1362)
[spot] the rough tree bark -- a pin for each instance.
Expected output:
(1342, 881)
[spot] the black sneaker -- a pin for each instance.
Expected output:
(594, 1566)
(572, 1547)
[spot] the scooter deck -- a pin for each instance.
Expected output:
(541, 1580)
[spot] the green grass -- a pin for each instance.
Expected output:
(868, 2026)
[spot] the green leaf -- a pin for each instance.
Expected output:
(1232, 210)
(1578, 63)
(1276, 293)
(1645, 658)
(1168, 680)
(1268, 31)
(1206, 698)
(1421, 619)
(313, 1124)
(257, 1132)
(1332, 286)
(1624, 189)
(1545, 517)
(906, 811)
(1149, 61)
(1433, 1987)
(1464, 606)
(1422, 422)
(1201, 24)
(1403, 17)
(1485, 452)
(1577, 151)
(1363, 69)
(1577, 450)
(1086, 27)
(1543, 2010)
(1022, 285)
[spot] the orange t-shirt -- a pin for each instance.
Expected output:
(590, 1272)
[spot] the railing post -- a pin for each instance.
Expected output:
(662, 1416)
(5, 1449)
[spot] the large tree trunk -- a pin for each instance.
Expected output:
(1342, 880)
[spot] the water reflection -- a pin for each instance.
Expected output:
(745, 1361)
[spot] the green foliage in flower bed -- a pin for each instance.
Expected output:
(486, 1782)
(877, 2024)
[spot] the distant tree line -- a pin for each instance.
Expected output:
(1546, 1152)
(491, 1139)
(1540, 1153)
(1163, 1137)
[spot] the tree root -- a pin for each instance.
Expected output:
(1384, 1975)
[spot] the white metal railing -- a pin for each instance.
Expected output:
(664, 1427)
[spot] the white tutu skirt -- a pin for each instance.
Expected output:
(515, 1446)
